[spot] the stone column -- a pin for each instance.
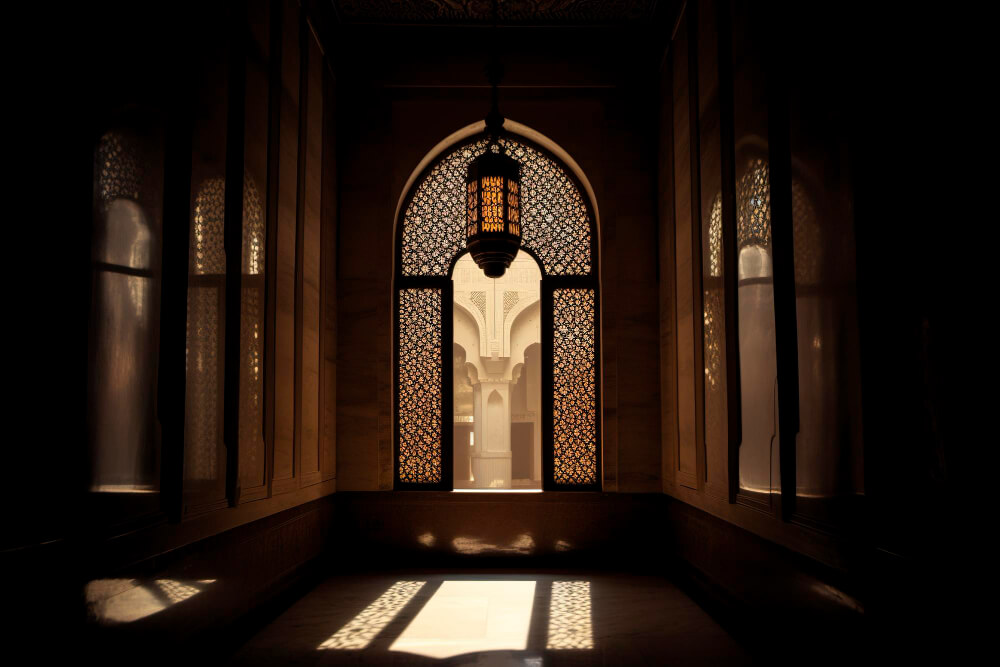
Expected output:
(491, 455)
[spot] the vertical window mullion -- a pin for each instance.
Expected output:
(233, 244)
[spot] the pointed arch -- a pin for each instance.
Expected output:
(477, 128)
(561, 232)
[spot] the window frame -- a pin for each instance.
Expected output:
(145, 131)
(549, 284)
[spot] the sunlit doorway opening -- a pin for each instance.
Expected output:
(497, 377)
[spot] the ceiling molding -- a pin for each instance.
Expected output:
(480, 12)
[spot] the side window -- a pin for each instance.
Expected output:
(206, 313)
(125, 313)
(758, 363)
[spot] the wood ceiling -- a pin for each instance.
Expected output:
(511, 12)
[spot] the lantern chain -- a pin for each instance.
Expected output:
(494, 74)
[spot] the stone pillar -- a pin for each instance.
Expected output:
(478, 436)
(491, 455)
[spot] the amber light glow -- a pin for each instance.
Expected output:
(493, 211)
(514, 208)
(492, 204)
(472, 225)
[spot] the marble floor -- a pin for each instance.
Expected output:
(493, 618)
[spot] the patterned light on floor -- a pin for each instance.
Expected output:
(570, 626)
(364, 627)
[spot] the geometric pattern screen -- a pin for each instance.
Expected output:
(251, 411)
(420, 378)
(753, 206)
(714, 325)
(556, 227)
(574, 387)
(205, 318)
(555, 222)
(205, 329)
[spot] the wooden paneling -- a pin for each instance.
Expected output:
(364, 270)
(668, 313)
(471, 529)
(284, 296)
(204, 450)
(636, 466)
(715, 439)
(309, 324)
(756, 587)
(233, 227)
(684, 263)
(328, 286)
(253, 457)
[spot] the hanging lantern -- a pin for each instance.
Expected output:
(493, 188)
(493, 211)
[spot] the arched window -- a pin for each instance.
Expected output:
(558, 260)
(755, 320)
(758, 361)
(204, 459)
(125, 312)
(206, 315)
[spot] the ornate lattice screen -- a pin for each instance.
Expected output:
(206, 316)
(714, 324)
(753, 209)
(558, 230)
(556, 223)
(421, 409)
(574, 387)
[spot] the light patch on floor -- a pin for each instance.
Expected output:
(471, 616)
(128, 600)
(363, 628)
(570, 625)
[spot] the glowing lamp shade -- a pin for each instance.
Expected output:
(493, 211)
